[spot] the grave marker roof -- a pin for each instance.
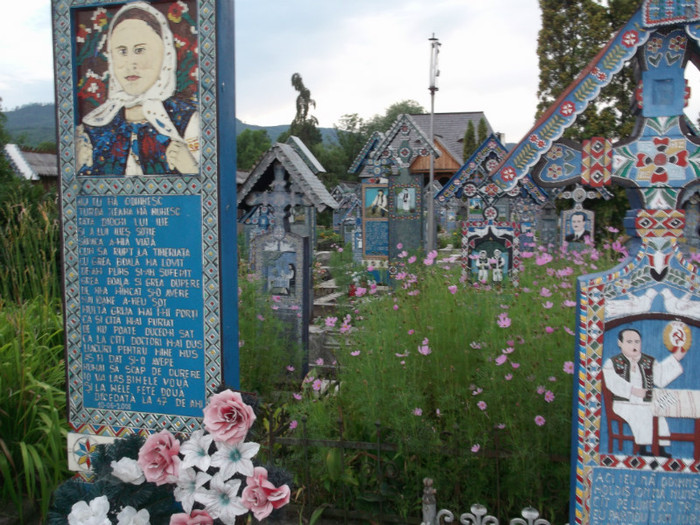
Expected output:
(302, 167)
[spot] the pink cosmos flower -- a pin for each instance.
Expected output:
(477, 391)
(549, 396)
(549, 329)
(527, 255)
(547, 305)
(396, 307)
(360, 291)
(227, 418)
(399, 246)
(261, 496)
(569, 330)
(508, 377)
(569, 303)
(545, 292)
(372, 288)
(476, 448)
(290, 368)
(319, 361)
(482, 405)
(370, 268)
(158, 458)
(475, 345)
(260, 317)
(515, 365)
(503, 320)
(417, 411)
(197, 517)
(411, 259)
(612, 229)
(428, 262)
(501, 359)
(276, 298)
(569, 367)
(539, 421)
(424, 349)
(432, 254)
(452, 289)
(293, 424)
(508, 350)
(317, 385)
(355, 353)
(296, 396)
(540, 390)
(543, 259)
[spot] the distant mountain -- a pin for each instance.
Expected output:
(36, 123)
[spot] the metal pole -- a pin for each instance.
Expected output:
(434, 73)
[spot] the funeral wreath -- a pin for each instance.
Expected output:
(207, 478)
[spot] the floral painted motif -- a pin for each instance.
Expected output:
(654, 167)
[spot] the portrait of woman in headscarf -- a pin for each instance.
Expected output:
(142, 125)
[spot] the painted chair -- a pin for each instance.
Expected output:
(615, 421)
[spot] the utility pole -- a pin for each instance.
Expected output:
(434, 73)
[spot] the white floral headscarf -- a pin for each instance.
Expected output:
(152, 99)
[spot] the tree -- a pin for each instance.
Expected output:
(304, 126)
(469, 142)
(482, 131)
(250, 145)
(383, 122)
(572, 33)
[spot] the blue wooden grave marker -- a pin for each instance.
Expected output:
(150, 286)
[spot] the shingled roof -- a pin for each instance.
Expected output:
(302, 172)
(30, 165)
(449, 129)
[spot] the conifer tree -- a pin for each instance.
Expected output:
(573, 32)
(482, 131)
(469, 142)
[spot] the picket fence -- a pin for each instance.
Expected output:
(478, 514)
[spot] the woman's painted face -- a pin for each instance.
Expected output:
(137, 55)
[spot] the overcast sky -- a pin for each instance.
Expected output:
(356, 56)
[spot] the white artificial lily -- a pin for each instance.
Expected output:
(232, 459)
(221, 500)
(189, 484)
(196, 451)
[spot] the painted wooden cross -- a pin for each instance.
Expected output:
(639, 319)
(280, 199)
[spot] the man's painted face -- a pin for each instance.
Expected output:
(577, 223)
(631, 345)
(137, 55)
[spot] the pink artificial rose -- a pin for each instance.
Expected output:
(228, 418)
(198, 517)
(158, 458)
(261, 496)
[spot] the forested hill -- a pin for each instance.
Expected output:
(34, 124)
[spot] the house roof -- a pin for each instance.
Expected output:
(301, 172)
(30, 165)
(449, 129)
